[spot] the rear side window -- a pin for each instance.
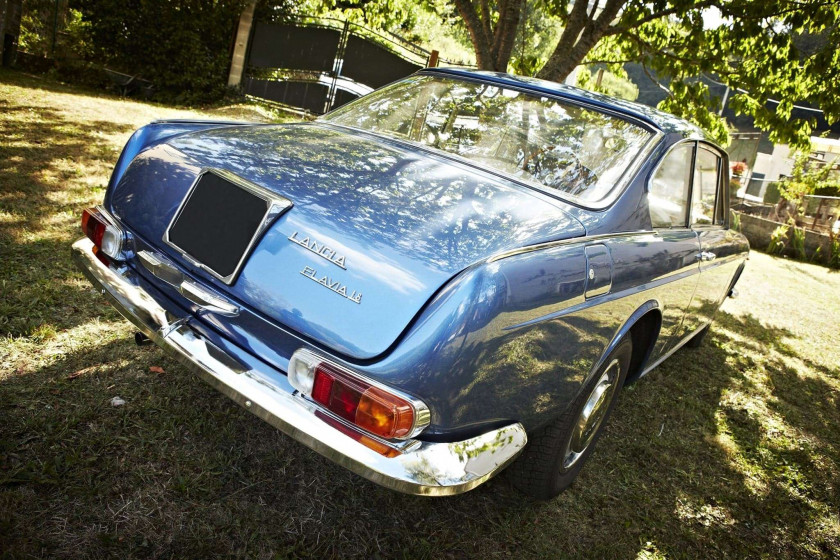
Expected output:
(706, 202)
(670, 187)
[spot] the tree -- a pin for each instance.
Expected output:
(492, 32)
(10, 12)
(753, 51)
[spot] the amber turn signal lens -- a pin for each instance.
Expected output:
(384, 414)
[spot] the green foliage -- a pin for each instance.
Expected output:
(778, 240)
(617, 85)
(772, 194)
(182, 47)
(807, 179)
(797, 242)
(433, 24)
(37, 24)
(834, 253)
(753, 49)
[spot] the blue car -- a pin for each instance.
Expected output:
(452, 275)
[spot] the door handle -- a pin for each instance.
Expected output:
(706, 256)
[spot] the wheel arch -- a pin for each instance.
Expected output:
(643, 327)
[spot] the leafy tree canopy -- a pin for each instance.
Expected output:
(764, 50)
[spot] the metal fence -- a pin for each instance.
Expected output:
(318, 64)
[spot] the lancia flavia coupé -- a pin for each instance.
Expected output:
(454, 274)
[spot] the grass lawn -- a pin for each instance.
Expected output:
(728, 451)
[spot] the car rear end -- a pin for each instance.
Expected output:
(357, 422)
(244, 278)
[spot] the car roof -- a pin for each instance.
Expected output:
(655, 118)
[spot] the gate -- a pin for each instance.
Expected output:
(319, 64)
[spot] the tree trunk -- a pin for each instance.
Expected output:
(506, 33)
(11, 31)
(493, 45)
(582, 33)
(2, 26)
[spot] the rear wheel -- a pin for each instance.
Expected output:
(555, 454)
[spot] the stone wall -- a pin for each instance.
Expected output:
(758, 231)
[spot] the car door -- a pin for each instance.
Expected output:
(674, 260)
(719, 254)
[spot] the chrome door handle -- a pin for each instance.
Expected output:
(205, 299)
(706, 256)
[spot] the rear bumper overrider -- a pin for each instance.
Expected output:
(420, 467)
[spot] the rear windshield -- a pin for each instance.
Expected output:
(580, 152)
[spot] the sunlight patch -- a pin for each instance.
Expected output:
(649, 551)
(704, 514)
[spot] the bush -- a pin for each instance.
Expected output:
(834, 254)
(772, 194)
(182, 47)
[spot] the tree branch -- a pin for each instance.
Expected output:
(506, 33)
(574, 26)
(475, 27)
(485, 18)
(614, 30)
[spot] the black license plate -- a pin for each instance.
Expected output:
(217, 223)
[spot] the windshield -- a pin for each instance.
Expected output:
(577, 151)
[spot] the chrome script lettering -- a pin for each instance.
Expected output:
(323, 251)
(333, 285)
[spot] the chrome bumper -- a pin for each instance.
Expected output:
(423, 468)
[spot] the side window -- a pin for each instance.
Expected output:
(669, 188)
(707, 183)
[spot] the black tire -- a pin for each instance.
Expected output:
(697, 340)
(541, 471)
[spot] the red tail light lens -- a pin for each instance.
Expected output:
(375, 409)
(107, 237)
(94, 225)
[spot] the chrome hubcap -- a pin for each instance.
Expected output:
(592, 414)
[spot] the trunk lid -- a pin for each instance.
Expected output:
(376, 227)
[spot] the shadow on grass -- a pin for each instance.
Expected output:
(41, 196)
(685, 470)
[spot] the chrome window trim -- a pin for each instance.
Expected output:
(605, 202)
(722, 159)
(276, 205)
(719, 154)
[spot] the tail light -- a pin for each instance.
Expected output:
(106, 237)
(370, 406)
